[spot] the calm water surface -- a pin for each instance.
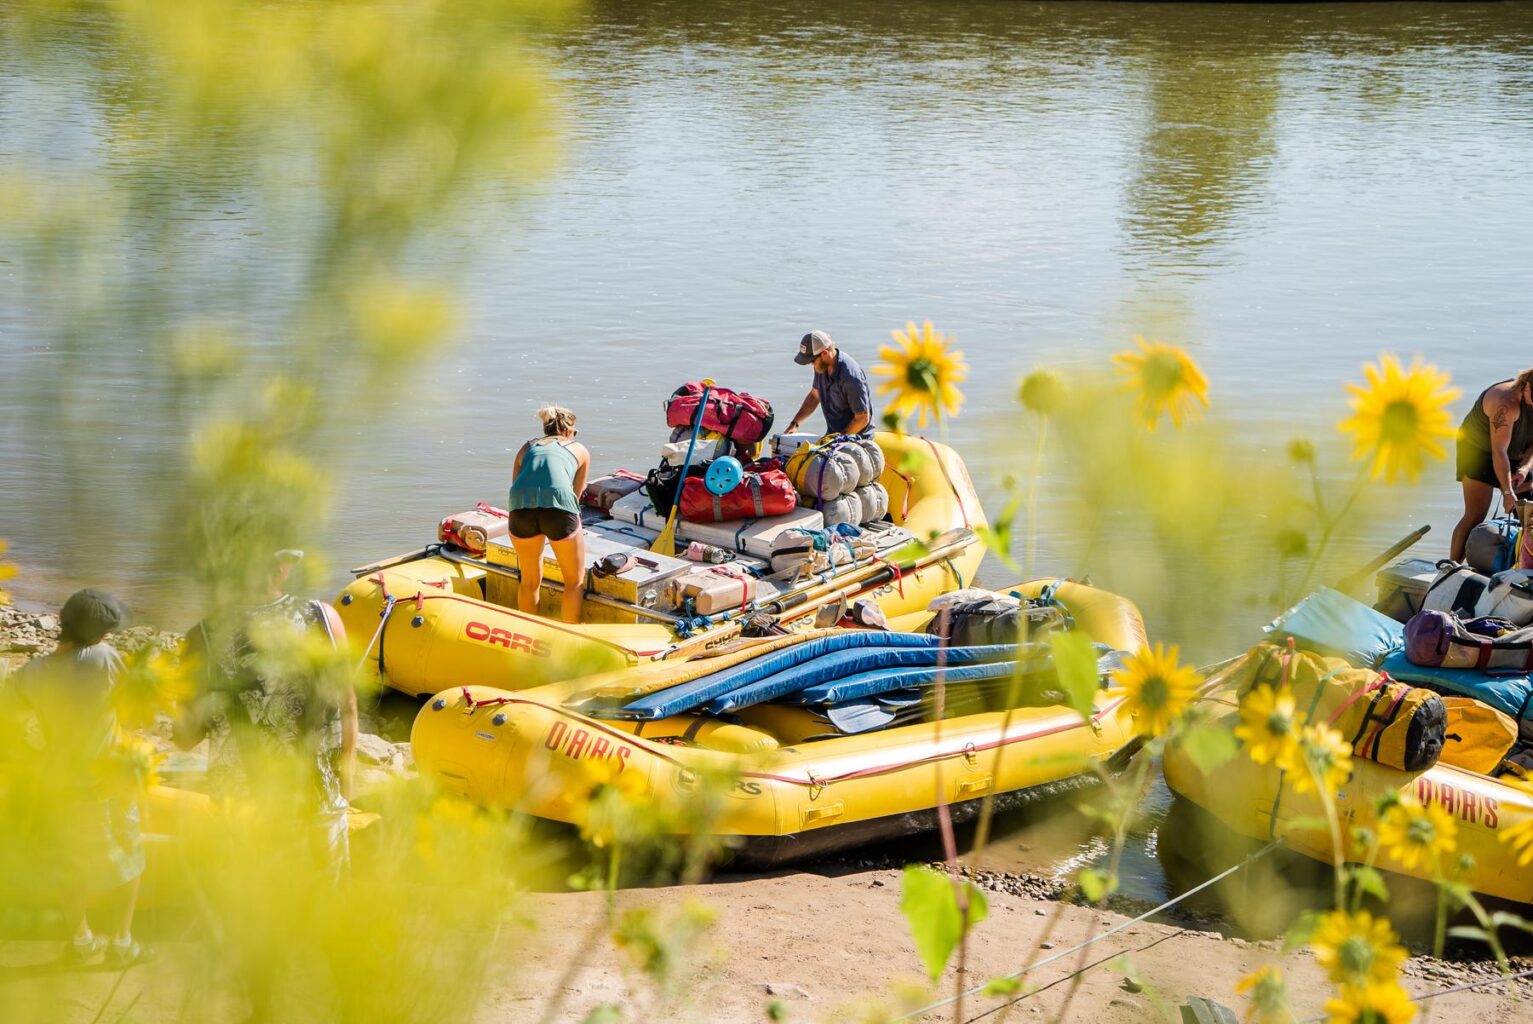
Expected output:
(1287, 190)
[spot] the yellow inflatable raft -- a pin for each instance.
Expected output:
(441, 617)
(795, 784)
(1255, 801)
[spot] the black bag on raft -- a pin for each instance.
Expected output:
(660, 484)
(986, 618)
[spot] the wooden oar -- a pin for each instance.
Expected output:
(1397, 548)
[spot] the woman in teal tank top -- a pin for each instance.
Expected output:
(546, 483)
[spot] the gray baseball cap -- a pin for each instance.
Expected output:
(811, 345)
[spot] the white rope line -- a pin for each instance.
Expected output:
(1091, 941)
(383, 621)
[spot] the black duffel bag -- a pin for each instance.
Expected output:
(994, 619)
(660, 485)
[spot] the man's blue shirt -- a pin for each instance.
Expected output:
(844, 393)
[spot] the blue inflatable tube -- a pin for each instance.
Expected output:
(1510, 694)
(694, 694)
(852, 686)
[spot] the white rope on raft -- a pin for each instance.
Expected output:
(977, 989)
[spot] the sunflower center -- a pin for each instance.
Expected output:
(1421, 832)
(1355, 955)
(1372, 1016)
(1155, 693)
(1161, 374)
(1279, 723)
(1400, 423)
(921, 375)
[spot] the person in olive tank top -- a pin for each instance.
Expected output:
(546, 484)
(1495, 450)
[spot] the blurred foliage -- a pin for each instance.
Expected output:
(347, 132)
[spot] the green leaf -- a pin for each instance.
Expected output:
(777, 1011)
(604, 1014)
(1306, 825)
(1096, 885)
(1473, 932)
(1505, 919)
(1075, 660)
(1368, 881)
(1001, 988)
(930, 904)
(1209, 745)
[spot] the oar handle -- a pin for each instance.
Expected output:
(697, 428)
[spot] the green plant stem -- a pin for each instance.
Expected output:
(1329, 525)
(1030, 549)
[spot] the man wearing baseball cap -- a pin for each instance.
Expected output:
(840, 387)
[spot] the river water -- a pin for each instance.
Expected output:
(1287, 190)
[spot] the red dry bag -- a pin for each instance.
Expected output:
(734, 415)
(760, 494)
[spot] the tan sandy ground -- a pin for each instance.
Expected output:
(829, 941)
(829, 945)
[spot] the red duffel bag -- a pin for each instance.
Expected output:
(769, 493)
(730, 414)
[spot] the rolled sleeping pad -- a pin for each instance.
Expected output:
(875, 456)
(845, 509)
(822, 474)
(875, 502)
(864, 462)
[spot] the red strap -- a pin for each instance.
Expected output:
(485, 506)
(745, 590)
(951, 486)
(1373, 737)
(624, 474)
(899, 574)
(468, 698)
(1482, 655)
(1359, 695)
(905, 499)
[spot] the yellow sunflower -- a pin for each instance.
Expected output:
(1520, 838)
(924, 373)
(1370, 1004)
(1415, 834)
(1357, 949)
(1158, 689)
(1269, 725)
(1401, 417)
(1166, 379)
(1321, 753)
(1269, 996)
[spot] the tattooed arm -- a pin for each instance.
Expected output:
(1503, 415)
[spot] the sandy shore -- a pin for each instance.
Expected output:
(834, 945)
